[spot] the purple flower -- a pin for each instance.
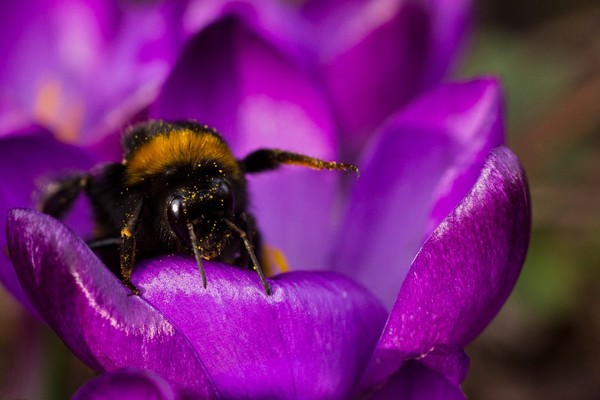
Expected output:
(435, 230)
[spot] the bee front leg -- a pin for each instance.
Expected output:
(251, 253)
(58, 196)
(127, 247)
(127, 259)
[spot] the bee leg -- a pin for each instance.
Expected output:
(59, 196)
(269, 159)
(127, 259)
(250, 251)
(249, 226)
(127, 247)
(194, 241)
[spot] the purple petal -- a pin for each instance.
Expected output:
(421, 164)
(376, 55)
(311, 338)
(92, 312)
(472, 115)
(82, 67)
(417, 382)
(231, 78)
(12, 120)
(462, 275)
(451, 21)
(234, 80)
(277, 21)
(135, 62)
(126, 383)
(29, 157)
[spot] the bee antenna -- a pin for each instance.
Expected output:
(194, 241)
(250, 250)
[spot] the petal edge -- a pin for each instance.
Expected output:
(463, 273)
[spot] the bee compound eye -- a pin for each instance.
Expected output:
(225, 194)
(177, 218)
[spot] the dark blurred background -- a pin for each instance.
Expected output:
(545, 343)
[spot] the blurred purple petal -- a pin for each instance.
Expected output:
(12, 120)
(234, 80)
(84, 66)
(376, 55)
(126, 383)
(278, 22)
(92, 311)
(451, 21)
(311, 338)
(419, 167)
(414, 381)
(28, 158)
(231, 78)
(472, 115)
(462, 275)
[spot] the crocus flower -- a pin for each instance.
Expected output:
(430, 239)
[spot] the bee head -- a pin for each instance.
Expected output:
(200, 211)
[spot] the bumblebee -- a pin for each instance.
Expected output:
(179, 189)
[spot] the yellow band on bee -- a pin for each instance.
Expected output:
(178, 147)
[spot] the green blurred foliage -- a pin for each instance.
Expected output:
(545, 343)
(531, 77)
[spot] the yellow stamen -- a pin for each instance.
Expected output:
(280, 260)
(274, 261)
